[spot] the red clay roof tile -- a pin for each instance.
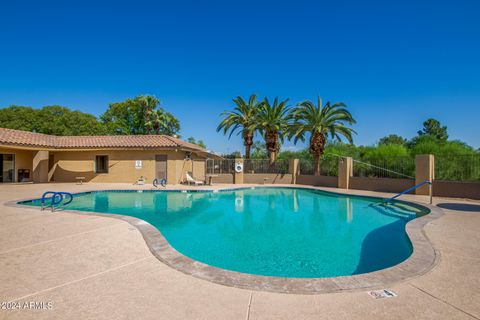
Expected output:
(30, 139)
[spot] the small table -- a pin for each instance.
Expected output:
(210, 177)
(80, 180)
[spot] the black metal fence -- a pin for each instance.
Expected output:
(457, 167)
(389, 167)
(220, 166)
(328, 166)
(447, 167)
(264, 166)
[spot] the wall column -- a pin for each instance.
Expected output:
(345, 171)
(293, 166)
(40, 167)
(238, 176)
(424, 170)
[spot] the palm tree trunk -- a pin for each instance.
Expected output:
(247, 151)
(147, 118)
(247, 142)
(317, 165)
(271, 141)
(317, 147)
(272, 156)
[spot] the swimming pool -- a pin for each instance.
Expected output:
(270, 231)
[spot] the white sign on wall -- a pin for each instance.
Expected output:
(138, 164)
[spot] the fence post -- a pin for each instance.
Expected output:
(345, 171)
(424, 170)
(238, 176)
(293, 169)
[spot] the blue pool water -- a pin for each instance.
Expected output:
(284, 232)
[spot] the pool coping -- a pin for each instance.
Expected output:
(423, 258)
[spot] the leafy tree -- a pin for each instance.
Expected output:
(19, 118)
(319, 122)
(432, 127)
(199, 143)
(301, 155)
(259, 150)
(427, 144)
(338, 148)
(384, 151)
(54, 120)
(242, 119)
(392, 139)
(273, 122)
(139, 116)
(124, 117)
(232, 155)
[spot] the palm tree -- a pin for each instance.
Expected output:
(162, 122)
(273, 123)
(169, 124)
(241, 119)
(320, 122)
(147, 105)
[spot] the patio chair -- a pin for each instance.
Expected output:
(190, 180)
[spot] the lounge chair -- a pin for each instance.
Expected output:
(190, 180)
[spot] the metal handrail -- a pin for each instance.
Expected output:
(54, 197)
(410, 189)
(68, 194)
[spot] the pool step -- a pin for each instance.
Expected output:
(394, 212)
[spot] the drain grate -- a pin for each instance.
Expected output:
(380, 294)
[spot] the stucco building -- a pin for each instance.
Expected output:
(27, 156)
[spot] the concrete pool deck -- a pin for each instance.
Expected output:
(92, 267)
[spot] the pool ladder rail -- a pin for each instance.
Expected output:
(57, 199)
(386, 201)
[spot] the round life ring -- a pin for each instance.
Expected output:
(238, 167)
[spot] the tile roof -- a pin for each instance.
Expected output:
(30, 139)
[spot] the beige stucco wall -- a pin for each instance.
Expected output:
(424, 170)
(258, 178)
(23, 159)
(72, 164)
(324, 181)
(457, 189)
(381, 184)
(40, 166)
(223, 178)
(199, 169)
(345, 172)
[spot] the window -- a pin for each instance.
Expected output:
(101, 164)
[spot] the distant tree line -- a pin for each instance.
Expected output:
(431, 139)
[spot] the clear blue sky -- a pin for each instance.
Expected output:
(394, 63)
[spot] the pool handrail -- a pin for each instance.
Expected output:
(67, 194)
(54, 196)
(61, 195)
(386, 201)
